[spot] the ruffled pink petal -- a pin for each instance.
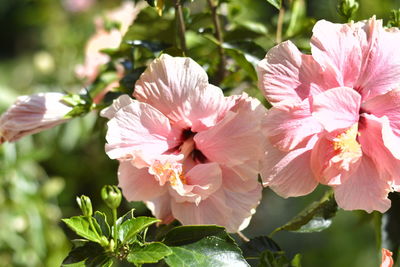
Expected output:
(333, 165)
(364, 190)
(138, 184)
(213, 210)
(337, 48)
(289, 173)
(200, 182)
(244, 206)
(336, 108)
(381, 146)
(117, 104)
(288, 124)
(237, 138)
(138, 129)
(381, 66)
(241, 178)
(285, 73)
(387, 105)
(160, 207)
(178, 87)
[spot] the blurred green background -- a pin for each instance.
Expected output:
(42, 41)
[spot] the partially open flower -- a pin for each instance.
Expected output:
(186, 150)
(32, 114)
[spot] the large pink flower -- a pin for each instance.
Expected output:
(32, 114)
(186, 150)
(335, 116)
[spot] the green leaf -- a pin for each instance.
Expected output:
(315, 218)
(274, 259)
(90, 254)
(390, 226)
(243, 60)
(276, 3)
(149, 253)
(296, 261)
(81, 226)
(128, 230)
(183, 235)
(209, 251)
(102, 221)
(125, 217)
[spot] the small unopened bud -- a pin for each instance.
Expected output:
(85, 204)
(104, 242)
(347, 8)
(111, 196)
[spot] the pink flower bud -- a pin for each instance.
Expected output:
(32, 114)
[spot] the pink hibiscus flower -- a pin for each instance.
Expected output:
(186, 150)
(387, 260)
(335, 116)
(32, 114)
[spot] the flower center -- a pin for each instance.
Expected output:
(346, 143)
(168, 171)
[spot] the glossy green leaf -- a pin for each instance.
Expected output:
(315, 218)
(128, 230)
(81, 226)
(275, 3)
(209, 251)
(243, 60)
(129, 215)
(183, 235)
(90, 254)
(102, 221)
(149, 253)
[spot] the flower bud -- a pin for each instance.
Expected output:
(347, 8)
(85, 204)
(32, 114)
(111, 196)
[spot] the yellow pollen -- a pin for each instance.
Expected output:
(169, 172)
(346, 142)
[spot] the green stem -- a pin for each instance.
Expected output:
(280, 25)
(181, 24)
(114, 213)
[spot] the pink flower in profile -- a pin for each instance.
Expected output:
(336, 114)
(106, 39)
(387, 260)
(78, 5)
(186, 150)
(32, 114)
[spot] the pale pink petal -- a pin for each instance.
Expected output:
(32, 114)
(381, 146)
(286, 73)
(243, 205)
(138, 184)
(237, 138)
(117, 104)
(336, 47)
(213, 210)
(387, 260)
(364, 190)
(178, 87)
(337, 108)
(289, 173)
(381, 69)
(200, 182)
(139, 128)
(387, 105)
(160, 207)
(335, 156)
(289, 123)
(241, 178)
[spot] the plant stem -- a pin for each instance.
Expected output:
(279, 25)
(218, 34)
(114, 213)
(181, 24)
